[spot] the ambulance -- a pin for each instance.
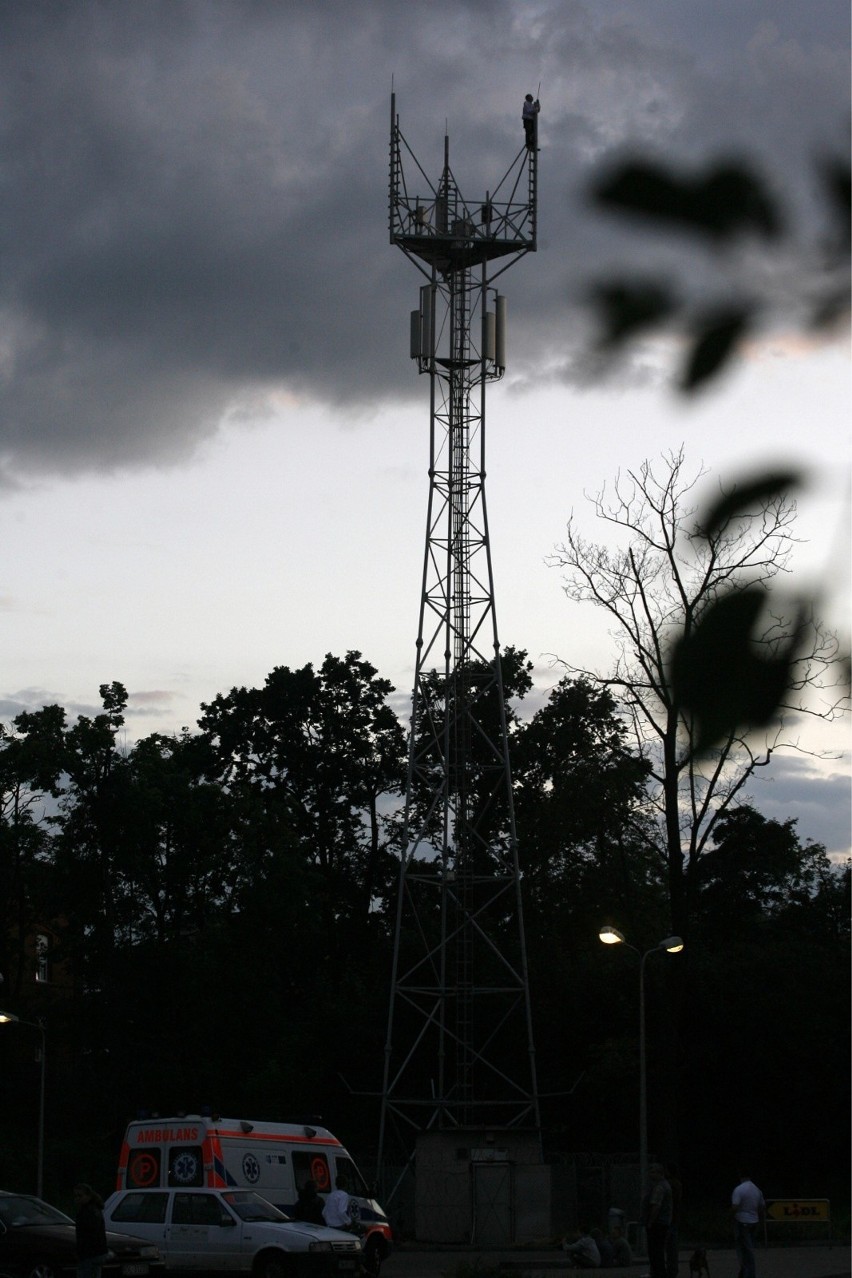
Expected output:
(274, 1159)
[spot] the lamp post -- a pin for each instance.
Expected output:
(671, 945)
(6, 1018)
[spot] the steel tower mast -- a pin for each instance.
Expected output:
(459, 1050)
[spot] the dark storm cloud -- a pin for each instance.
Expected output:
(194, 193)
(815, 795)
(34, 699)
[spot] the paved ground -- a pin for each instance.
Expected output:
(410, 1261)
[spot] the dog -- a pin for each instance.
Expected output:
(698, 1263)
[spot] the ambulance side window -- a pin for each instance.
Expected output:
(354, 1181)
(186, 1166)
(311, 1165)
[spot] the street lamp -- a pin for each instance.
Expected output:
(6, 1018)
(671, 945)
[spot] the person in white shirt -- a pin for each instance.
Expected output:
(748, 1208)
(583, 1252)
(337, 1212)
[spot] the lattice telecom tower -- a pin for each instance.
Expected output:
(459, 1050)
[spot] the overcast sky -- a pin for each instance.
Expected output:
(213, 445)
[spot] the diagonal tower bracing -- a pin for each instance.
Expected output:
(459, 1049)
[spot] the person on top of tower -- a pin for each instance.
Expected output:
(529, 112)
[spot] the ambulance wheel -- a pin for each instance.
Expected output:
(374, 1254)
(272, 1264)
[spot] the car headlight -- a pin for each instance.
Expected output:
(319, 1246)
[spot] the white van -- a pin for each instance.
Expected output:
(274, 1159)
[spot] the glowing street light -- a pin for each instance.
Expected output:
(671, 945)
(7, 1018)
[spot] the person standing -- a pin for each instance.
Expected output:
(672, 1259)
(749, 1208)
(528, 113)
(309, 1205)
(657, 1217)
(337, 1212)
(90, 1231)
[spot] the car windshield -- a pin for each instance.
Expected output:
(17, 1210)
(249, 1206)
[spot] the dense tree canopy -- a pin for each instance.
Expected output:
(219, 910)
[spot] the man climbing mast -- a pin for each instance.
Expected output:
(529, 114)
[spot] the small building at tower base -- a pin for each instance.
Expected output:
(481, 1186)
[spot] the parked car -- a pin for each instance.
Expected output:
(38, 1241)
(232, 1230)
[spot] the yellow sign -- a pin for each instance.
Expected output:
(800, 1210)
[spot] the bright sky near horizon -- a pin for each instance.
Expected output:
(213, 443)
